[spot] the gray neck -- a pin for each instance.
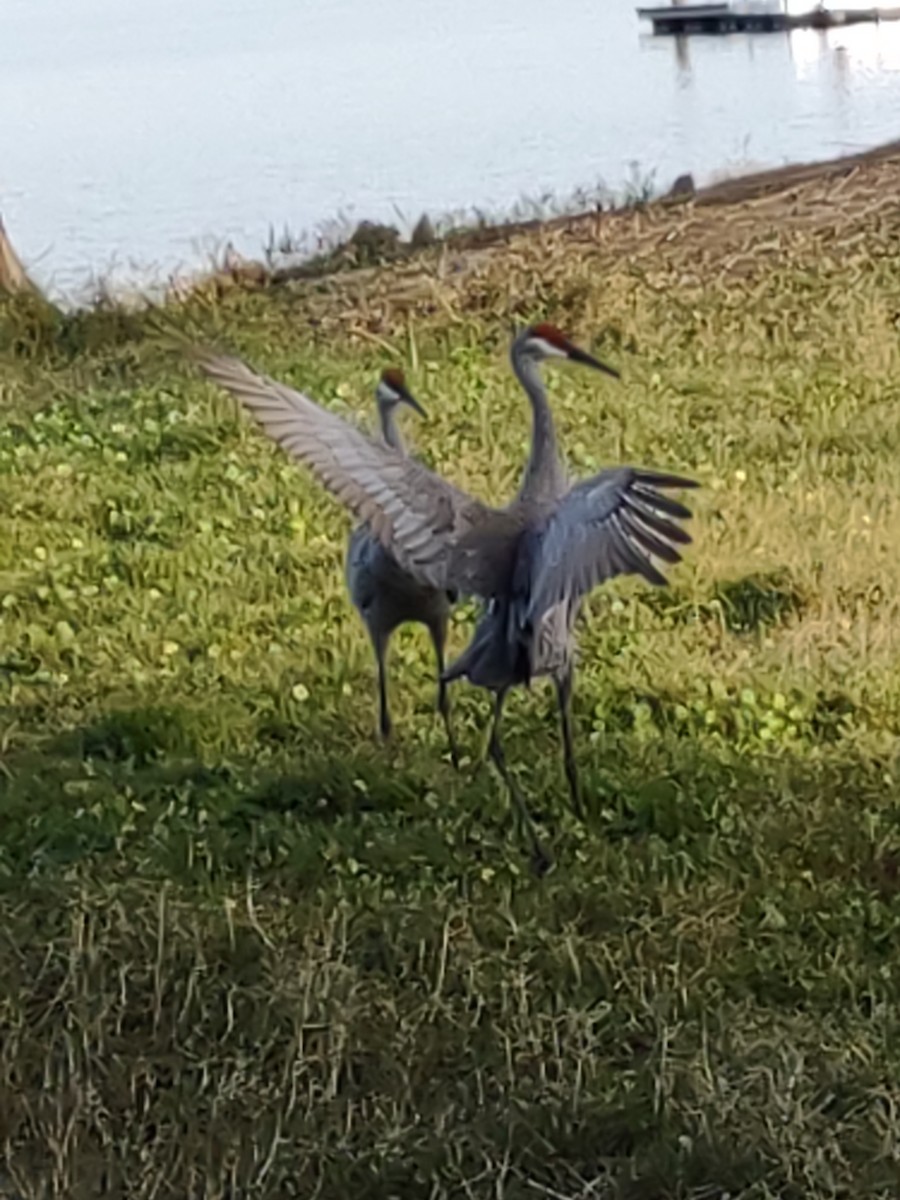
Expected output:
(389, 429)
(545, 473)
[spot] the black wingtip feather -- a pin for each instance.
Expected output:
(632, 556)
(654, 576)
(652, 520)
(661, 479)
(648, 540)
(665, 504)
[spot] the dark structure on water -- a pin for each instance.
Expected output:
(756, 18)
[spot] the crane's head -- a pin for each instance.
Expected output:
(392, 390)
(546, 341)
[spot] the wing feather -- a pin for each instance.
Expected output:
(611, 524)
(441, 535)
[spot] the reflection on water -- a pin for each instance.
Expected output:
(861, 52)
(141, 132)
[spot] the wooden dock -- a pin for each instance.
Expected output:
(727, 18)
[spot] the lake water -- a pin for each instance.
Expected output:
(137, 137)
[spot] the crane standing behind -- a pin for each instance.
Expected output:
(532, 562)
(386, 596)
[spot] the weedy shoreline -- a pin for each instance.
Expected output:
(248, 951)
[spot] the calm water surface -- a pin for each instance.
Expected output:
(136, 137)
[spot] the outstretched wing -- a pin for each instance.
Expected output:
(438, 533)
(614, 523)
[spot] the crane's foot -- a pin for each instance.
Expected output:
(454, 751)
(575, 797)
(451, 741)
(541, 860)
(578, 807)
(443, 704)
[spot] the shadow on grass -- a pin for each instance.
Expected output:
(751, 604)
(385, 1013)
(134, 785)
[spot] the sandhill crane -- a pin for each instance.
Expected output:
(532, 562)
(386, 596)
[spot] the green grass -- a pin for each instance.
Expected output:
(248, 952)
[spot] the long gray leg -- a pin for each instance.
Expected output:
(438, 636)
(384, 717)
(541, 860)
(564, 699)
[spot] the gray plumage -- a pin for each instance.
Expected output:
(571, 540)
(386, 596)
(532, 562)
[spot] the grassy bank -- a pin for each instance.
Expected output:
(247, 952)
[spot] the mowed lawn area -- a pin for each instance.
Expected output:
(248, 952)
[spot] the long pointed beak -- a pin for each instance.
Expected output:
(408, 398)
(576, 354)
